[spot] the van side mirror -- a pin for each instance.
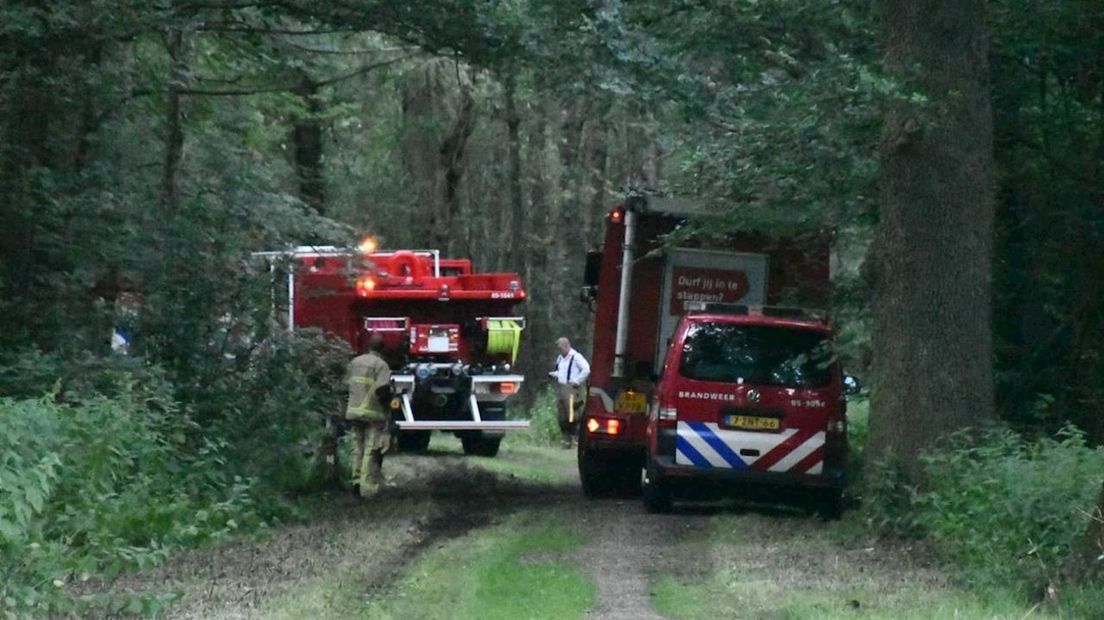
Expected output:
(851, 385)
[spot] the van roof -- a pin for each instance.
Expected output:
(807, 323)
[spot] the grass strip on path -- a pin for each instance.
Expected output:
(518, 569)
(791, 568)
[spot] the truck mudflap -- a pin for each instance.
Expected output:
(404, 385)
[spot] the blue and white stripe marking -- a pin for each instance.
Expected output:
(704, 444)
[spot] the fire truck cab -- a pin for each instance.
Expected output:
(640, 284)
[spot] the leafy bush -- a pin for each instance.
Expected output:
(271, 410)
(102, 485)
(30, 373)
(544, 429)
(1003, 512)
(1009, 510)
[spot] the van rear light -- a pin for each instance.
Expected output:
(837, 426)
(506, 387)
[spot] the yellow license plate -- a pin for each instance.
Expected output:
(631, 402)
(753, 423)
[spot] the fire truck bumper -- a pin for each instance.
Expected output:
(464, 425)
(666, 468)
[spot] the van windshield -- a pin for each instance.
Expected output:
(758, 354)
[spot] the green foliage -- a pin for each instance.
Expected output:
(544, 427)
(1009, 510)
(99, 486)
(272, 413)
(1049, 135)
(1003, 512)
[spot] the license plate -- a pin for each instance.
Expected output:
(631, 402)
(752, 423)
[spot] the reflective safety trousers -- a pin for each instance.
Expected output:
(367, 373)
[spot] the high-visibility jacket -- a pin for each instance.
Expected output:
(366, 373)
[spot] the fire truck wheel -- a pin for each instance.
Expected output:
(414, 441)
(592, 474)
(604, 475)
(477, 445)
(657, 495)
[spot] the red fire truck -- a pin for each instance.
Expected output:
(641, 285)
(450, 334)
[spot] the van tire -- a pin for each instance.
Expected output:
(412, 442)
(830, 504)
(629, 476)
(656, 493)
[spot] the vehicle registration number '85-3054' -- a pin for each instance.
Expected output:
(752, 423)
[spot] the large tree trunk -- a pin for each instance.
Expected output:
(537, 351)
(26, 112)
(569, 249)
(433, 157)
(517, 200)
(175, 42)
(306, 137)
(452, 168)
(932, 253)
(595, 199)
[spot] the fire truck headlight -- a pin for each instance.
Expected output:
(423, 371)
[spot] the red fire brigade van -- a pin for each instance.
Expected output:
(641, 284)
(748, 394)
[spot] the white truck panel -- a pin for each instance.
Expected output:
(711, 276)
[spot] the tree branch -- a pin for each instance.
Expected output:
(282, 88)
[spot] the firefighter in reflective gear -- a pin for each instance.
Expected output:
(368, 416)
(570, 374)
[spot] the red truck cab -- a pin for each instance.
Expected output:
(748, 395)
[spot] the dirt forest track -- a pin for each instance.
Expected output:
(434, 498)
(367, 547)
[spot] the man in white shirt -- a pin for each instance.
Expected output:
(571, 374)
